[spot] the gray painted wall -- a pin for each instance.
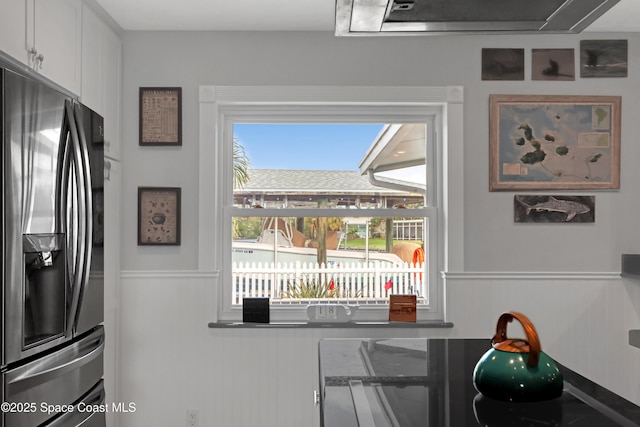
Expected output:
(492, 241)
(582, 319)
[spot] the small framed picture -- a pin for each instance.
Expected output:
(554, 208)
(159, 215)
(160, 116)
(603, 58)
(553, 64)
(502, 64)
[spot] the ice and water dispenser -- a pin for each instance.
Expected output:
(45, 287)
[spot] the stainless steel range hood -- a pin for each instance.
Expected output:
(425, 17)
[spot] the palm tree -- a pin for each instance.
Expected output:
(241, 165)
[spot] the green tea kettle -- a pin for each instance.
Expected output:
(517, 370)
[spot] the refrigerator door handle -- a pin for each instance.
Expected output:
(79, 262)
(86, 182)
(65, 223)
(48, 368)
(64, 167)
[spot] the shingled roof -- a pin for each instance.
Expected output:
(287, 181)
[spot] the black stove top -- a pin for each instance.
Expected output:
(428, 382)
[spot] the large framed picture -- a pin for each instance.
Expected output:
(541, 142)
(158, 215)
(160, 116)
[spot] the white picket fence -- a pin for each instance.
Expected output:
(357, 282)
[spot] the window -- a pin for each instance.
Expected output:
(355, 237)
(299, 233)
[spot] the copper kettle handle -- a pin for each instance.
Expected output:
(529, 329)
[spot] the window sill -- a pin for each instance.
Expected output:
(333, 325)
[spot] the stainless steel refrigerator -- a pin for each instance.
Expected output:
(52, 303)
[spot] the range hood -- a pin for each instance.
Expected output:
(425, 17)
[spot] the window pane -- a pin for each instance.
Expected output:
(363, 259)
(329, 165)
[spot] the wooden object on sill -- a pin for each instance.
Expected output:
(402, 308)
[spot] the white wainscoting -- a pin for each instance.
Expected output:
(163, 349)
(171, 360)
(582, 319)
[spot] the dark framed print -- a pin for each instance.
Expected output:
(502, 64)
(543, 142)
(603, 58)
(554, 208)
(159, 215)
(160, 116)
(553, 64)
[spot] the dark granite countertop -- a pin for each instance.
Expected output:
(428, 382)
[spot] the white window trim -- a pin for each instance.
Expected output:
(221, 106)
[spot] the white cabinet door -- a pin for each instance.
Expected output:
(92, 81)
(57, 36)
(13, 29)
(46, 36)
(101, 76)
(112, 67)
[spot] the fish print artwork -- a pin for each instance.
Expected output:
(560, 209)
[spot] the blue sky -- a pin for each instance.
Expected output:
(306, 146)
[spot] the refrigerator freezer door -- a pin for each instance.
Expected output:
(58, 378)
(81, 416)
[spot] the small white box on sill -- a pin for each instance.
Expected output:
(325, 313)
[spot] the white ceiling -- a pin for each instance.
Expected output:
(280, 15)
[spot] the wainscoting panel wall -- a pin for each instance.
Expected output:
(171, 361)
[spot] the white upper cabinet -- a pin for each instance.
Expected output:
(112, 93)
(13, 29)
(54, 31)
(71, 44)
(101, 75)
(45, 35)
(92, 84)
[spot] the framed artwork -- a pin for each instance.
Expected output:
(603, 58)
(158, 215)
(553, 64)
(558, 209)
(540, 142)
(160, 116)
(502, 64)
